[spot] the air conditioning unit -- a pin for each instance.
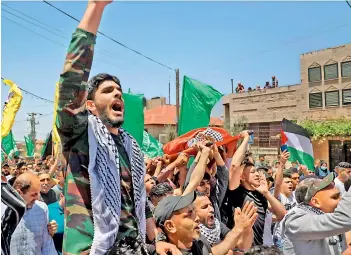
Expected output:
(162, 138)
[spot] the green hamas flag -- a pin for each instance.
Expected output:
(29, 146)
(8, 146)
(151, 147)
(134, 115)
(198, 100)
(47, 147)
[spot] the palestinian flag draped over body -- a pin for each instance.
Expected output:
(297, 139)
(184, 142)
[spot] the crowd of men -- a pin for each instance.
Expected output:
(100, 195)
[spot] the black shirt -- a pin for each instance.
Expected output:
(237, 198)
(199, 247)
(49, 197)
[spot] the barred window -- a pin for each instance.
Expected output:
(332, 98)
(331, 71)
(314, 74)
(316, 100)
(346, 96)
(346, 69)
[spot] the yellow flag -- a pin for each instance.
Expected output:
(55, 136)
(11, 108)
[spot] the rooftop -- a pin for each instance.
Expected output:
(167, 115)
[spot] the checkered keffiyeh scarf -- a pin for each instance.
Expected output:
(201, 136)
(213, 235)
(104, 174)
(309, 208)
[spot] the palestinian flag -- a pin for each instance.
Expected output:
(297, 139)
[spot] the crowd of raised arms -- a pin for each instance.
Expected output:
(101, 195)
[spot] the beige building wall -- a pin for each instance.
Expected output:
(292, 102)
(155, 102)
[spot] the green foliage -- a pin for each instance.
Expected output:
(237, 127)
(317, 129)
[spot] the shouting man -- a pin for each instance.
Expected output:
(105, 194)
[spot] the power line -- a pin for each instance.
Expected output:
(348, 3)
(30, 93)
(102, 51)
(26, 15)
(47, 38)
(114, 40)
(33, 23)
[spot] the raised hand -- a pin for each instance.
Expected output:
(246, 217)
(284, 157)
(263, 188)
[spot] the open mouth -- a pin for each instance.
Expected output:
(117, 107)
(210, 219)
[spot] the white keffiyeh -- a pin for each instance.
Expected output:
(213, 235)
(104, 174)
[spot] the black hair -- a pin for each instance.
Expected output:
(347, 184)
(19, 165)
(95, 81)
(287, 174)
(264, 250)
(161, 190)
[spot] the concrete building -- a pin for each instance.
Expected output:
(323, 94)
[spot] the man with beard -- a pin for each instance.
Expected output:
(177, 218)
(318, 224)
(31, 236)
(47, 194)
(212, 228)
(105, 194)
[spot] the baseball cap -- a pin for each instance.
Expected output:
(170, 204)
(310, 186)
(5, 164)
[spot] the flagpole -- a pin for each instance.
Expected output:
(177, 97)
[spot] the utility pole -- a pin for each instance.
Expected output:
(169, 91)
(33, 123)
(232, 85)
(177, 96)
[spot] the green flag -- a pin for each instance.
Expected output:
(8, 145)
(134, 115)
(47, 147)
(29, 146)
(151, 147)
(198, 100)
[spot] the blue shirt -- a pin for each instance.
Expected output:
(56, 213)
(31, 236)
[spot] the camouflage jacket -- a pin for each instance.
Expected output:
(72, 123)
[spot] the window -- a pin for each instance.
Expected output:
(331, 71)
(316, 100)
(266, 134)
(314, 74)
(346, 96)
(332, 98)
(346, 69)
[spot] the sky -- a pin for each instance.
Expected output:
(212, 42)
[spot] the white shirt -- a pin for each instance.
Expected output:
(339, 185)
